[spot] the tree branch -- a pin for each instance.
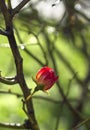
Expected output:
(8, 81)
(18, 61)
(27, 51)
(12, 125)
(11, 93)
(84, 122)
(19, 7)
(3, 32)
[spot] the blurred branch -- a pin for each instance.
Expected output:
(74, 111)
(69, 84)
(27, 51)
(34, 57)
(41, 47)
(81, 124)
(11, 93)
(63, 102)
(55, 67)
(9, 4)
(83, 15)
(71, 108)
(3, 32)
(47, 99)
(59, 117)
(23, 47)
(61, 57)
(58, 102)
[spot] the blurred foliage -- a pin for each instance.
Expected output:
(62, 45)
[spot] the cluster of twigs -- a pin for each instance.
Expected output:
(73, 25)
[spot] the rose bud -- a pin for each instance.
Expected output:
(45, 78)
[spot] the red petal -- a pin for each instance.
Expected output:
(41, 71)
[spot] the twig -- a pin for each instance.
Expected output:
(82, 14)
(11, 93)
(41, 47)
(34, 57)
(69, 84)
(47, 99)
(28, 52)
(19, 7)
(67, 64)
(3, 32)
(81, 124)
(12, 125)
(8, 81)
(22, 46)
(65, 100)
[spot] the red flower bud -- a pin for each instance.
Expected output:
(46, 76)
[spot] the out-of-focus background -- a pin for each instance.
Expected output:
(54, 33)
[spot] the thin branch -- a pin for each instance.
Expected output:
(34, 57)
(8, 81)
(38, 43)
(47, 99)
(41, 47)
(67, 64)
(5, 13)
(58, 102)
(65, 100)
(3, 32)
(82, 14)
(81, 124)
(22, 46)
(12, 125)
(69, 84)
(26, 50)
(19, 7)
(11, 93)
